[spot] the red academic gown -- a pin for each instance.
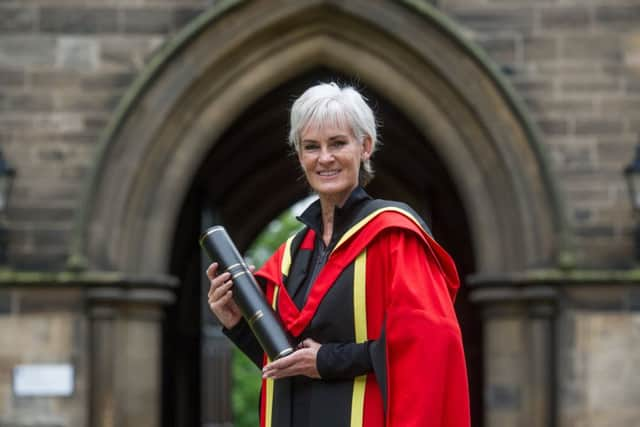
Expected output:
(396, 287)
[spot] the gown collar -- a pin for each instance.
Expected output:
(312, 216)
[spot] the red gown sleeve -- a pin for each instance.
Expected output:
(426, 372)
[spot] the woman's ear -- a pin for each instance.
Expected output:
(367, 147)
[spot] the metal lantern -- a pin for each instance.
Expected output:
(7, 174)
(632, 176)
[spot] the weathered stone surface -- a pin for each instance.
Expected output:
(625, 16)
(39, 301)
(17, 18)
(29, 259)
(83, 102)
(500, 49)
(493, 19)
(78, 20)
(5, 302)
(615, 151)
(595, 231)
(9, 77)
(605, 342)
(554, 126)
(50, 338)
(78, 54)
(502, 397)
(63, 80)
(548, 107)
(127, 54)
(565, 18)
(634, 305)
(599, 126)
(147, 20)
(540, 48)
(184, 15)
(588, 47)
(27, 102)
(27, 51)
(589, 86)
(55, 214)
(64, 64)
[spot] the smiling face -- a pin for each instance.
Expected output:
(330, 157)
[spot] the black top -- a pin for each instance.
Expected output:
(312, 218)
(334, 360)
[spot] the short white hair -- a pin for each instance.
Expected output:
(342, 107)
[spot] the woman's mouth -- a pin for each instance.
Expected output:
(328, 173)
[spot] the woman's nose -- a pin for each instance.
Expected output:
(325, 155)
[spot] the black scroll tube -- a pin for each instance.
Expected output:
(262, 320)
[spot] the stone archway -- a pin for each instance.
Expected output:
(198, 86)
(232, 56)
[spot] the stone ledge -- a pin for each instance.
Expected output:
(604, 290)
(87, 279)
(539, 277)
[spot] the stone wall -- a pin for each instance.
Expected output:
(562, 355)
(598, 337)
(576, 64)
(45, 327)
(65, 64)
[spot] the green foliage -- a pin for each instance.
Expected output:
(246, 390)
(246, 377)
(272, 237)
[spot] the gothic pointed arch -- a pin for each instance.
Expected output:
(199, 83)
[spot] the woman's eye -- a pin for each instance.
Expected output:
(310, 147)
(339, 143)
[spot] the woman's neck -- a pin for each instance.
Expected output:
(328, 205)
(328, 212)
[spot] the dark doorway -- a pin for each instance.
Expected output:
(246, 180)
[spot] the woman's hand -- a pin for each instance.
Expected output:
(300, 362)
(220, 296)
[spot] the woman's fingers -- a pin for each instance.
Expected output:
(282, 367)
(221, 293)
(309, 343)
(301, 362)
(218, 283)
(284, 362)
(211, 270)
(224, 299)
(220, 297)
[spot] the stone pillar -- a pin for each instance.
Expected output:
(519, 355)
(125, 355)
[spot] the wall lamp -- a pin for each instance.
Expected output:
(632, 176)
(7, 175)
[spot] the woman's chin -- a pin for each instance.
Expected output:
(332, 192)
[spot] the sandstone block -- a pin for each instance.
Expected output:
(147, 20)
(565, 18)
(75, 53)
(78, 20)
(19, 18)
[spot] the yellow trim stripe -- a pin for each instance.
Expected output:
(284, 268)
(268, 410)
(359, 297)
(360, 321)
(355, 228)
(286, 258)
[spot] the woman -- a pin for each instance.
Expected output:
(363, 287)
